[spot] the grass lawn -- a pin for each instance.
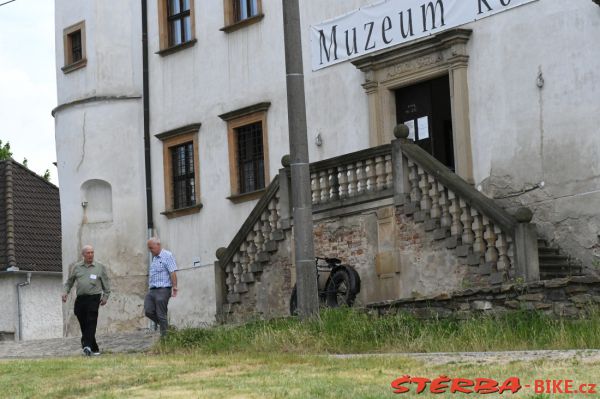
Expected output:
(290, 359)
(197, 375)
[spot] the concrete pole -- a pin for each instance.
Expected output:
(306, 274)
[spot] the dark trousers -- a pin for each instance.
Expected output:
(86, 310)
(155, 307)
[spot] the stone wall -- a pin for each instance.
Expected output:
(394, 256)
(566, 297)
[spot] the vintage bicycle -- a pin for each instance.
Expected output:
(338, 284)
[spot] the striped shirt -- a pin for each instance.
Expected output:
(162, 265)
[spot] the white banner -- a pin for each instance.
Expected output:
(392, 22)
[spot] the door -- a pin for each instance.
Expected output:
(425, 109)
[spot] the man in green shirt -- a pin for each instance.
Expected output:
(93, 289)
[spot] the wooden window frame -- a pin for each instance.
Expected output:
(231, 24)
(236, 119)
(171, 139)
(69, 64)
(163, 29)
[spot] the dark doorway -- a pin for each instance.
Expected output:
(425, 109)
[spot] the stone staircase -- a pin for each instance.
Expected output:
(554, 264)
(500, 247)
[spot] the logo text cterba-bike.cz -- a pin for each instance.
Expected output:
(445, 384)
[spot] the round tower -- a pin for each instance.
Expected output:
(100, 150)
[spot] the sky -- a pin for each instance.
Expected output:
(28, 82)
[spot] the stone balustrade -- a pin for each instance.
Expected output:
(348, 177)
(242, 261)
(481, 232)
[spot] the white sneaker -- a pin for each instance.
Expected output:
(87, 351)
(95, 353)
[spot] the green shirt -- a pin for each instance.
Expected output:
(91, 279)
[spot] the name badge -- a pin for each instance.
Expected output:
(93, 276)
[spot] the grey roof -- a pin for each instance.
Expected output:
(30, 230)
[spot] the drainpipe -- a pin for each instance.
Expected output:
(148, 165)
(19, 285)
(146, 100)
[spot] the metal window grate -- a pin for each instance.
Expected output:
(76, 47)
(180, 21)
(244, 9)
(251, 168)
(184, 183)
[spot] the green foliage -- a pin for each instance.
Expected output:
(352, 331)
(5, 152)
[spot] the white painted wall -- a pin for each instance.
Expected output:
(40, 306)
(525, 136)
(103, 140)
(8, 297)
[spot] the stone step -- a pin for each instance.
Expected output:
(548, 275)
(553, 258)
(548, 251)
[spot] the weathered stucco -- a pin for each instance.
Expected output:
(40, 306)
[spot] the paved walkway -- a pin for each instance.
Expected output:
(113, 343)
(583, 355)
(143, 340)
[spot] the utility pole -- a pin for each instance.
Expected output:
(306, 274)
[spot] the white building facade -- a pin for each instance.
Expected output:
(509, 101)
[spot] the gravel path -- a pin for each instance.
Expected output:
(113, 343)
(141, 341)
(583, 355)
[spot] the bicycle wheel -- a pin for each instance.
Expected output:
(294, 302)
(340, 288)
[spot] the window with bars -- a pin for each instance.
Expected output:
(244, 9)
(250, 157)
(183, 175)
(74, 47)
(179, 20)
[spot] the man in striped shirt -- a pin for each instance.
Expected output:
(162, 282)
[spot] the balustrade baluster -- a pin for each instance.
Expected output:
(424, 187)
(477, 225)
(273, 217)
(491, 254)
(352, 181)
(379, 173)
(467, 221)
(456, 228)
(446, 218)
(334, 185)
(324, 183)
(434, 193)
(315, 188)
(265, 229)
(413, 178)
(370, 173)
(251, 250)
(343, 182)
(389, 177)
(502, 246)
(361, 179)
